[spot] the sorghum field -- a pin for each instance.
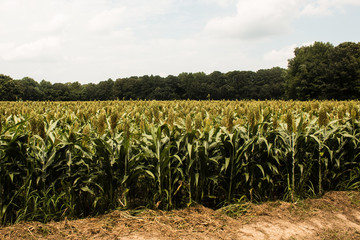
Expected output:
(74, 159)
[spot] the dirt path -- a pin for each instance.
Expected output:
(335, 216)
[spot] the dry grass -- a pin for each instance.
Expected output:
(334, 216)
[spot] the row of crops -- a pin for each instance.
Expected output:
(74, 159)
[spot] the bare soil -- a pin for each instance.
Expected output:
(334, 216)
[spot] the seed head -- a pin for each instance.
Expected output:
(86, 130)
(323, 119)
(170, 119)
(113, 120)
(126, 128)
(188, 123)
(100, 124)
(274, 121)
(251, 119)
(198, 120)
(354, 114)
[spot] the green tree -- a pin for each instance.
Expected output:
(88, 92)
(47, 89)
(76, 90)
(243, 83)
(105, 90)
(308, 72)
(61, 92)
(322, 71)
(345, 72)
(8, 89)
(29, 89)
(269, 83)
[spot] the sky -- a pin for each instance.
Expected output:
(93, 40)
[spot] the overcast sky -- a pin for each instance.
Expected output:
(94, 40)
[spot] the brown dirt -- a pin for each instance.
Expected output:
(335, 216)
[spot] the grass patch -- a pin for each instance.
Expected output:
(235, 210)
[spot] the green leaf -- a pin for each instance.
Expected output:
(227, 162)
(11, 175)
(87, 189)
(150, 174)
(261, 168)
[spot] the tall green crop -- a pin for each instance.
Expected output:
(67, 159)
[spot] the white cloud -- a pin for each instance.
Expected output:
(56, 23)
(262, 18)
(222, 3)
(307, 44)
(92, 40)
(316, 9)
(279, 57)
(37, 50)
(255, 18)
(327, 7)
(107, 19)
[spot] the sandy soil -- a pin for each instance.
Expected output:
(335, 216)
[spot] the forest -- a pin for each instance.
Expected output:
(319, 71)
(197, 86)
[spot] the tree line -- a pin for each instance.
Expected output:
(318, 71)
(263, 84)
(322, 71)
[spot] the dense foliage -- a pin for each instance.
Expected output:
(322, 71)
(71, 159)
(197, 86)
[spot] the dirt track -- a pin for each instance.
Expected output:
(335, 216)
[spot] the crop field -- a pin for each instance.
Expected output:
(74, 159)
